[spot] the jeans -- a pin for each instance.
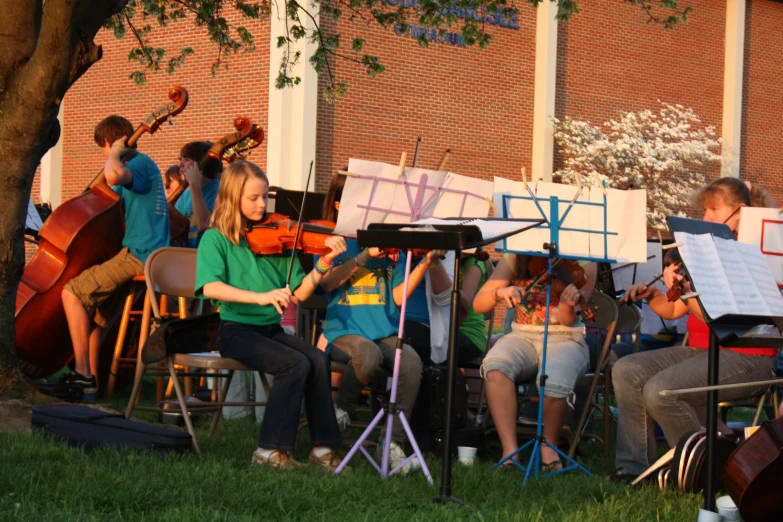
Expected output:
(638, 378)
(363, 358)
(419, 336)
(300, 372)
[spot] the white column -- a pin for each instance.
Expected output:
(292, 113)
(544, 90)
(732, 87)
(52, 169)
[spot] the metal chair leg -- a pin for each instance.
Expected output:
(183, 407)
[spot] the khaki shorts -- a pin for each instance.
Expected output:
(95, 286)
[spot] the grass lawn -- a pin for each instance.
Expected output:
(44, 479)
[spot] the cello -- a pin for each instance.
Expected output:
(82, 232)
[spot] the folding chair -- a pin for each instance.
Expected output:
(605, 319)
(629, 321)
(172, 271)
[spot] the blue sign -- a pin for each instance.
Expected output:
(503, 17)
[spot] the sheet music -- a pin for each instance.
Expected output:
(743, 285)
(700, 256)
(489, 227)
(762, 275)
(33, 220)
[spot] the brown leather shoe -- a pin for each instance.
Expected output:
(328, 462)
(276, 460)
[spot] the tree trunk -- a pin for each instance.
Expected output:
(46, 48)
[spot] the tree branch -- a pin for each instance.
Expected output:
(142, 45)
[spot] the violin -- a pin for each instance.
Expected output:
(276, 234)
(672, 257)
(752, 474)
(566, 273)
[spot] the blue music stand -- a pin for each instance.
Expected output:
(554, 223)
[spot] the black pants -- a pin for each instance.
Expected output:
(300, 371)
(419, 336)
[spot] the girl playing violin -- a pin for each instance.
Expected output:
(361, 325)
(251, 292)
(638, 378)
(516, 357)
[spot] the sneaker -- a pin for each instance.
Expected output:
(276, 460)
(89, 384)
(343, 419)
(328, 462)
(396, 456)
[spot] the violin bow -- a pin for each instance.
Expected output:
(298, 228)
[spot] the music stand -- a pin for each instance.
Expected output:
(445, 237)
(727, 331)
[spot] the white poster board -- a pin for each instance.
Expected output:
(623, 216)
(763, 227)
(380, 186)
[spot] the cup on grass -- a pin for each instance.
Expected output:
(708, 516)
(467, 455)
(727, 509)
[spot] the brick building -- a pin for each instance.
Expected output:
(491, 107)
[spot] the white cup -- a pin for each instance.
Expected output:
(727, 509)
(708, 516)
(467, 455)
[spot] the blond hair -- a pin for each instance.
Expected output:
(227, 216)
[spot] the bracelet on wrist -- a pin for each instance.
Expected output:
(323, 265)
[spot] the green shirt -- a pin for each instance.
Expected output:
(237, 266)
(471, 322)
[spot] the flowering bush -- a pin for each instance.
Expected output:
(660, 152)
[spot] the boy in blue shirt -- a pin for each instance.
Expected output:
(198, 201)
(137, 180)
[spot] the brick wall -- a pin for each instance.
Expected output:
(214, 102)
(478, 103)
(762, 126)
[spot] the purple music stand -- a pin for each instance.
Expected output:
(416, 205)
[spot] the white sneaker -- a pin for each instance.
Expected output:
(397, 455)
(343, 419)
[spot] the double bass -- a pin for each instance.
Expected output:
(753, 474)
(82, 232)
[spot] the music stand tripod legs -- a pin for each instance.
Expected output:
(539, 440)
(391, 410)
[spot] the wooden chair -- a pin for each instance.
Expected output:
(142, 317)
(606, 320)
(172, 271)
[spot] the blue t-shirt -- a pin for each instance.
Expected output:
(185, 207)
(364, 305)
(144, 207)
(416, 307)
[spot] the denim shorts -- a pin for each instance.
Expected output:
(518, 356)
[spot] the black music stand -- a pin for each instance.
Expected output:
(727, 331)
(456, 237)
